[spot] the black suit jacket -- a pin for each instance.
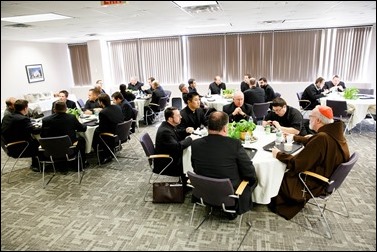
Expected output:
(246, 108)
(192, 119)
(169, 141)
(216, 89)
(16, 127)
(69, 103)
(218, 156)
(127, 110)
(254, 95)
(60, 124)
(329, 84)
(312, 93)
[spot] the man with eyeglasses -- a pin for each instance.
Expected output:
(322, 154)
(285, 118)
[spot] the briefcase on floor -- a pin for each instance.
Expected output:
(168, 192)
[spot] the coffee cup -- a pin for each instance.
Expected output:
(289, 138)
(288, 146)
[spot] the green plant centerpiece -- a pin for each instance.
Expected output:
(350, 93)
(238, 129)
(73, 111)
(228, 93)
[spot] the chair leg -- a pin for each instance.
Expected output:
(43, 174)
(80, 165)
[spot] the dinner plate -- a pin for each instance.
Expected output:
(253, 140)
(211, 99)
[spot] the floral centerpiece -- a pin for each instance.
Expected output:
(73, 111)
(228, 93)
(238, 129)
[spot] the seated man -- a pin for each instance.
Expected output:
(335, 84)
(99, 86)
(170, 141)
(63, 96)
(129, 96)
(315, 157)
(9, 102)
(134, 84)
(219, 156)
(92, 101)
(184, 90)
(193, 116)
(109, 117)
(60, 123)
(216, 86)
(126, 107)
(314, 92)
(268, 90)
(285, 118)
(254, 94)
(238, 110)
(18, 127)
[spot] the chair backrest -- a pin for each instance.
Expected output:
(299, 95)
(57, 147)
(147, 144)
(213, 191)
(260, 109)
(369, 91)
(15, 149)
(136, 112)
(81, 103)
(277, 95)
(176, 102)
(339, 108)
(341, 172)
(123, 130)
(168, 94)
(163, 102)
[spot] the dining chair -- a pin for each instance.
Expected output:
(304, 104)
(13, 150)
(332, 185)
(59, 149)
(261, 110)
(177, 102)
(113, 142)
(341, 112)
(156, 110)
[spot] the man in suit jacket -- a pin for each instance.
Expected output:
(335, 84)
(254, 94)
(134, 84)
(219, 156)
(193, 116)
(170, 141)
(238, 110)
(60, 123)
(268, 90)
(63, 96)
(217, 85)
(17, 127)
(109, 117)
(314, 92)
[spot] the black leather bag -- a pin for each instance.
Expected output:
(168, 192)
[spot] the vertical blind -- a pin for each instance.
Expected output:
(280, 56)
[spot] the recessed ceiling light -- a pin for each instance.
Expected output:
(184, 4)
(34, 18)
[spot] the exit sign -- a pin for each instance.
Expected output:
(112, 2)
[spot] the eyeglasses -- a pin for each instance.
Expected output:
(277, 110)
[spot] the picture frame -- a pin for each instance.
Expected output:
(34, 73)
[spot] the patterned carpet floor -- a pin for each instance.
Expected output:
(107, 211)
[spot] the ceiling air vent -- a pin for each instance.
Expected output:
(18, 25)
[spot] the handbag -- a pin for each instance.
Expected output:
(168, 192)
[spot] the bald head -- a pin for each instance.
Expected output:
(238, 98)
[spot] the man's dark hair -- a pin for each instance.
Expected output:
(190, 81)
(117, 95)
(169, 112)
(64, 92)
(105, 99)
(191, 95)
(122, 87)
(278, 102)
(152, 79)
(217, 120)
(60, 107)
(263, 79)
(20, 104)
(95, 90)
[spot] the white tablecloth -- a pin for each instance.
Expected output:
(88, 134)
(269, 170)
(216, 101)
(139, 105)
(360, 107)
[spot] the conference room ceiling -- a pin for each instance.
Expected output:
(140, 19)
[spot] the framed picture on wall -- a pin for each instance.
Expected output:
(34, 73)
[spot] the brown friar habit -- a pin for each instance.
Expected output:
(322, 154)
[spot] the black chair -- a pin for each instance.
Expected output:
(155, 110)
(277, 95)
(332, 185)
(13, 150)
(341, 112)
(59, 149)
(81, 103)
(368, 91)
(168, 94)
(148, 147)
(304, 104)
(135, 122)
(176, 102)
(215, 193)
(261, 110)
(113, 142)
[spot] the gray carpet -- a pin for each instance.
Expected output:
(107, 212)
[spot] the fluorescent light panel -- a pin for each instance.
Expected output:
(184, 4)
(34, 18)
